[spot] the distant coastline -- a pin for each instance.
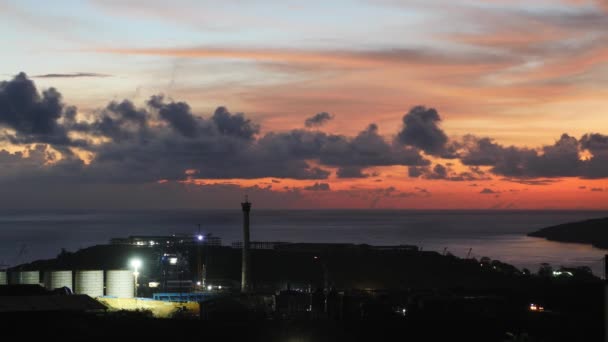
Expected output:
(29, 235)
(593, 232)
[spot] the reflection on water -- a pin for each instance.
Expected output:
(496, 234)
(524, 251)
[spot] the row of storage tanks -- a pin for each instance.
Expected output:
(118, 283)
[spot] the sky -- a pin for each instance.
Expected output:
(386, 104)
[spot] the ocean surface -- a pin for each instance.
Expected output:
(30, 235)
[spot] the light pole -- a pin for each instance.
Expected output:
(136, 264)
(199, 263)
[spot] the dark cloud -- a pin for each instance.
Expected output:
(12, 165)
(445, 172)
(235, 125)
(480, 151)
(532, 181)
(177, 114)
(32, 116)
(351, 172)
(368, 148)
(488, 191)
(594, 142)
(416, 171)
(421, 129)
(375, 196)
(318, 119)
(597, 189)
(597, 144)
(72, 75)
(318, 187)
(132, 145)
(438, 172)
(562, 159)
(118, 121)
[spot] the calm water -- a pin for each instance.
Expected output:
(26, 235)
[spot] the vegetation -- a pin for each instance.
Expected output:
(594, 232)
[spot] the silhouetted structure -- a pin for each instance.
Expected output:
(175, 240)
(245, 263)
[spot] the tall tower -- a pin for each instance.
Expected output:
(245, 276)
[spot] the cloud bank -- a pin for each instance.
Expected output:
(164, 141)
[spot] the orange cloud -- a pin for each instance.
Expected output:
(397, 56)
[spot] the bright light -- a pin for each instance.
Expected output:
(209, 288)
(534, 307)
(219, 287)
(198, 283)
(173, 261)
(200, 237)
(136, 263)
(153, 284)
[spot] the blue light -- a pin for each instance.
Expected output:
(200, 237)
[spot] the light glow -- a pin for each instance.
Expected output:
(136, 263)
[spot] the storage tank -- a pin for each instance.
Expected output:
(25, 278)
(3, 279)
(58, 279)
(120, 283)
(89, 283)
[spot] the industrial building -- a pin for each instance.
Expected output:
(93, 283)
(168, 241)
(293, 278)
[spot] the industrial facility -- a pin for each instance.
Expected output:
(196, 268)
(195, 275)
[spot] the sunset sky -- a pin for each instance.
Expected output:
(413, 104)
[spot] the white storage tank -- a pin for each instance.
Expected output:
(3, 279)
(89, 283)
(120, 283)
(25, 278)
(58, 279)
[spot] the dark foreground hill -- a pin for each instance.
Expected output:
(594, 232)
(446, 298)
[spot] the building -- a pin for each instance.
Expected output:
(168, 241)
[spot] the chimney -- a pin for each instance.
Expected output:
(245, 276)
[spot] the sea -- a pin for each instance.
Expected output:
(27, 235)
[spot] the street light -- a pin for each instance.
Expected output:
(200, 267)
(136, 264)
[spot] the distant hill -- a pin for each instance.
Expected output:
(594, 232)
